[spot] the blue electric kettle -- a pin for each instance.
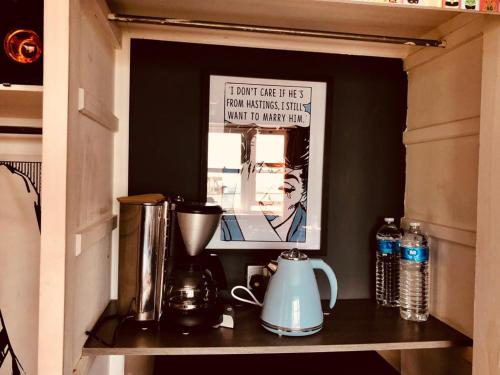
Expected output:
(292, 305)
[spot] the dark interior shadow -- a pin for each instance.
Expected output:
(345, 363)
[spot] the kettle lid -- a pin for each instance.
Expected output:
(293, 254)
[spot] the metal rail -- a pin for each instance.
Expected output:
(276, 30)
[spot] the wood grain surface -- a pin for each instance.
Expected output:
(354, 325)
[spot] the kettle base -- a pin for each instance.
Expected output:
(284, 331)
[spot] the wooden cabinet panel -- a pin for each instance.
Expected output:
(95, 56)
(441, 182)
(92, 171)
(21, 105)
(487, 303)
(444, 98)
(452, 284)
(447, 88)
(89, 173)
(435, 362)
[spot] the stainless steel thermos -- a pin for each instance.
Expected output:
(143, 235)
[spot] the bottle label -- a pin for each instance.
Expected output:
(388, 247)
(415, 254)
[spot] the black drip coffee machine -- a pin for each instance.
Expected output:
(193, 276)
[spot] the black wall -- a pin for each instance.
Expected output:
(364, 154)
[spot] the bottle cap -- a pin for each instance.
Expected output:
(389, 220)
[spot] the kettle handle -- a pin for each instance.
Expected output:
(321, 265)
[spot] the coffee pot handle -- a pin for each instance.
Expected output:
(321, 265)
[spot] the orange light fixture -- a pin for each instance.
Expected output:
(23, 46)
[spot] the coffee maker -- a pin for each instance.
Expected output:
(164, 273)
(194, 277)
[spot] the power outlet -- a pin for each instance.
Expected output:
(255, 270)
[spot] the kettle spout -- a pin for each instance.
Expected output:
(272, 266)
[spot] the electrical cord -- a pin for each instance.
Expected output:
(255, 300)
(96, 337)
(122, 319)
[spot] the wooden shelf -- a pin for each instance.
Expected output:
(25, 88)
(354, 325)
(21, 105)
(332, 15)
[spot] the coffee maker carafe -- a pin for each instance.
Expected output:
(191, 294)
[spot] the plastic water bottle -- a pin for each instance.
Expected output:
(387, 264)
(414, 275)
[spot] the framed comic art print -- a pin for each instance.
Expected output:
(265, 161)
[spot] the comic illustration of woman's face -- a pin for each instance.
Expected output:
(292, 187)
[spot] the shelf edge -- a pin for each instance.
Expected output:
(24, 88)
(271, 349)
